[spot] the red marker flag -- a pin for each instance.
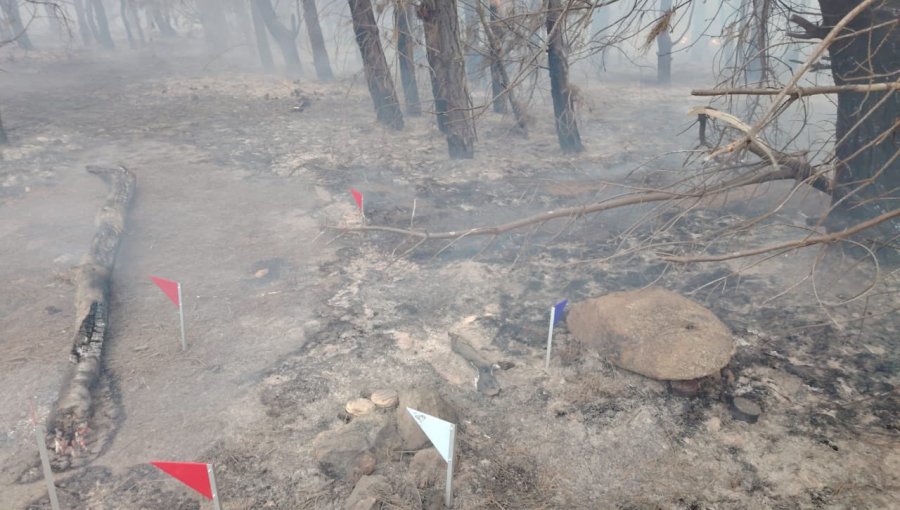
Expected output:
(358, 197)
(193, 474)
(169, 287)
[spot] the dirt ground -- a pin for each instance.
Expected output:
(238, 174)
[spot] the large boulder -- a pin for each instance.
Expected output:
(653, 332)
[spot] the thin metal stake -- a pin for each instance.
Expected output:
(181, 316)
(212, 486)
(448, 492)
(550, 337)
(45, 463)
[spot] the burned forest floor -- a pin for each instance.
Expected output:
(238, 176)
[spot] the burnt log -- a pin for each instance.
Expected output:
(448, 75)
(71, 416)
(378, 75)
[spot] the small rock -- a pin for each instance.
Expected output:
(427, 467)
(385, 398)
(745, 409)
(345, 453)
(360, 407)
(688, 389)
(261, 273)
(365, 495)
(427, 401)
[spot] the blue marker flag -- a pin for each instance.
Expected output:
(558, 310)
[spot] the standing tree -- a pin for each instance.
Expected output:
(867, 142)
(96, 16)
(262, 38)
(215, 25)
(129, 15)
(160, 18)
(448, 75)
(664, 44)
(558, 64)
(405, 45)
(3, 138)
(494, 36)
(14, 18)
(320, 54)
(286, 39)
(378, 75)
(502, 88)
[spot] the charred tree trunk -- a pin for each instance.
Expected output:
(867, 179)
(135, 17)
(557, 61)
(262, 38)
(71, 418)
(378, 76)
(215, 25)
(505, 89)
(758, 61)
(14, 18)
(83, 27)
(449, 75)
(317, 41)
(161, 19)
(286, 39)
(495, 48)
(124, 15)
(664, 50)
(405, 44)
(99, 23)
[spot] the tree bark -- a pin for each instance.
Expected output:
(378, 75)
(317, 41)
(14, 18)
(71, 416)
(664, 50)
(286, 39)
(449, 75)
(100, 25)
(405, 44)
(563, 107)
(867, 179)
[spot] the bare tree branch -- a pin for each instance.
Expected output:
(788, 245)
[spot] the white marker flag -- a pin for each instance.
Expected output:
(439, 432)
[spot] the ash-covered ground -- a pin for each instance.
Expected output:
(238, 177)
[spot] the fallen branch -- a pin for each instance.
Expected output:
(643, 197)
(798, 92)
(787, 245)
(68, 422)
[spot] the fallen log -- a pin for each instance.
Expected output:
(69, 420)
